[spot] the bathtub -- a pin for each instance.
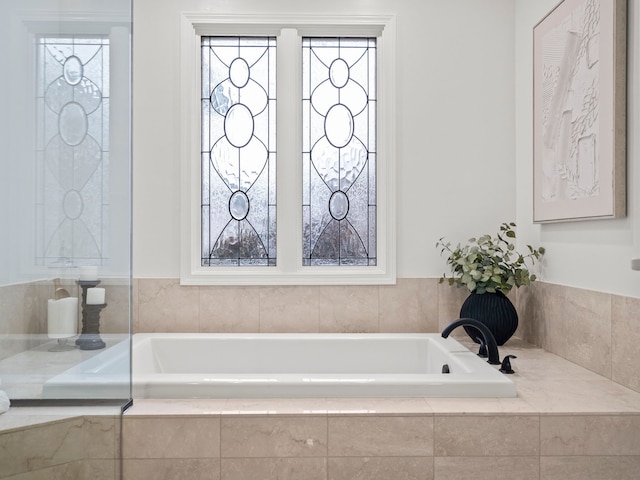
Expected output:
(310, 365)
(104, 375)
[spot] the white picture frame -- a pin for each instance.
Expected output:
(579, 110)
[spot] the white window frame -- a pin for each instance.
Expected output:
(289, 29)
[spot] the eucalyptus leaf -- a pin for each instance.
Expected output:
(489, 264)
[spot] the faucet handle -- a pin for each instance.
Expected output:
(482, 351)
(506, 364)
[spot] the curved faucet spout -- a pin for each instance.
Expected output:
(489, 340)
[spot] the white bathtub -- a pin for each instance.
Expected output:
(310, 365)
(105, 374)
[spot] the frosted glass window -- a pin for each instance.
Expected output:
(73, 150)
(339, 153)
(238, 151)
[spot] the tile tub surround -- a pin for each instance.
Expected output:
(65, 443)
(23, 312)
(567, 422)
(414, 305)
(599, 331)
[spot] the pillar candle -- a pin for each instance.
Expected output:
(62, 317)
(89, 273)
(95, 296)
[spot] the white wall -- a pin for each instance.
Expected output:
(591, 254)
(456, 133)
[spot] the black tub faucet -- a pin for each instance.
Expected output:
(489, 340)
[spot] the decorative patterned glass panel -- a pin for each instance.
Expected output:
(238, 151)
(339, 154)
(73, 150)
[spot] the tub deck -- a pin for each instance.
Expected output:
(545, 384)
(553, 430)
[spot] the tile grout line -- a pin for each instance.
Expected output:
(539, 416)
(326, 458)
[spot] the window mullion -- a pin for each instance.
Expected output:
(289, 165)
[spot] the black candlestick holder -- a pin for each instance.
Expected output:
(89, 338)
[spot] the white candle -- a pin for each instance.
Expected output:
(89, 273)
(95, 296)
(62, 317)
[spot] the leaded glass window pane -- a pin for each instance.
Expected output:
(73, 150)
(238, 151)
(339, 151)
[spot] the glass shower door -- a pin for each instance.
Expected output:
(65, 201)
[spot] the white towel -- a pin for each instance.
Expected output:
(4, 402)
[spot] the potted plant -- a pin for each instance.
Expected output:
(489, 267)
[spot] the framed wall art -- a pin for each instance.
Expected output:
(579, 110)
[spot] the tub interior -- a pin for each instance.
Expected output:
(290, 366)
(347, 355)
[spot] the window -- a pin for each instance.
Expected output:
(238, 125)
(288, 181)
(73, 149)
(339, 158)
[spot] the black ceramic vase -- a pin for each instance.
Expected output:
(495, 310)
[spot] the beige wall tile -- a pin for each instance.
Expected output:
(12, 309)
(68, 471)
(100, 436)
(23, 310)
(590, 468)
(590, 435)
(172, 469)
(476, 435)
(289, 309)
(348, 308)
(296, 436)
(588, 329)
(170, 437)
(530, 321)
(96, 469)
(274, 468)
(229, 309)
(494, 468)
(35, 305)
(165, 306)
(381, 436)
(625, 341)
(380, 468)
(450, 300)
(41, 447)
(9, 345)
(115, 317)
(409, 306)
(550, 318)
